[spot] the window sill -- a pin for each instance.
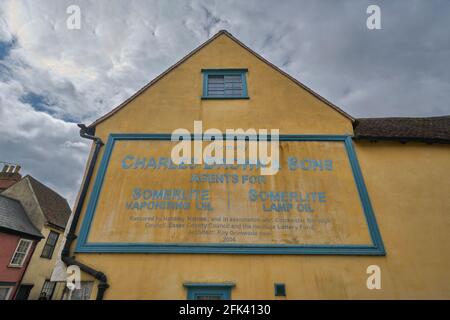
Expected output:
(225, 98)
(15, 266)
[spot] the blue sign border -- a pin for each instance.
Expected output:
(376, 248)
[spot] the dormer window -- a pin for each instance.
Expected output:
(224, 84)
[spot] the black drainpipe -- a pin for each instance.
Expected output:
(87, 133)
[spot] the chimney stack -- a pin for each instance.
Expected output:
(9, 176)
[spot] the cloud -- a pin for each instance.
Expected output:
(52, 77)
(47, 148)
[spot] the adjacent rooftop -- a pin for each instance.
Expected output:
(55, 207)
(14, 218)
(431, 130)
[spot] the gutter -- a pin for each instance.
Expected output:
(87, 133)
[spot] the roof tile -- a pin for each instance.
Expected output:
(13, 217)
(55, 207)
(432, 129)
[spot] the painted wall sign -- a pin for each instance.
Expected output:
(317, 203)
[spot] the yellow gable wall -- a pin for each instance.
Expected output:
(408, 187)
(275, 101)
(414, 228)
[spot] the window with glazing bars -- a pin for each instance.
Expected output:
(48, 288)
(50, 245)
(224, 84)
(21, 253)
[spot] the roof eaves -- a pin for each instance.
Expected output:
(37, 234)
(257, 55)
(400, 139)
(404, 129)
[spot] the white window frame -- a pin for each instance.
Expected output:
(10, 289)
(30, 242)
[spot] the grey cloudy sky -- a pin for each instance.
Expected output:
(51, 77)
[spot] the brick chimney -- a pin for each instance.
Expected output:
(9, 175)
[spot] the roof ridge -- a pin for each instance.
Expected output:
(198, 48)
(329, 103)
(30, 183)
(54, 207)
(418, 118)
(49, 188)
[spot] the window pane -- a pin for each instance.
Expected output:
(216, 93)
(52, 238)
(21, 252)
(216, 90)
(233, 92)
(215, 86)
(214, 77)
(48, 289)
(233, 85)
(215, 80)
(26, 246)
(46, 252)
(18, 258)
(50, 244)
(233, 78)
(23, 246)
